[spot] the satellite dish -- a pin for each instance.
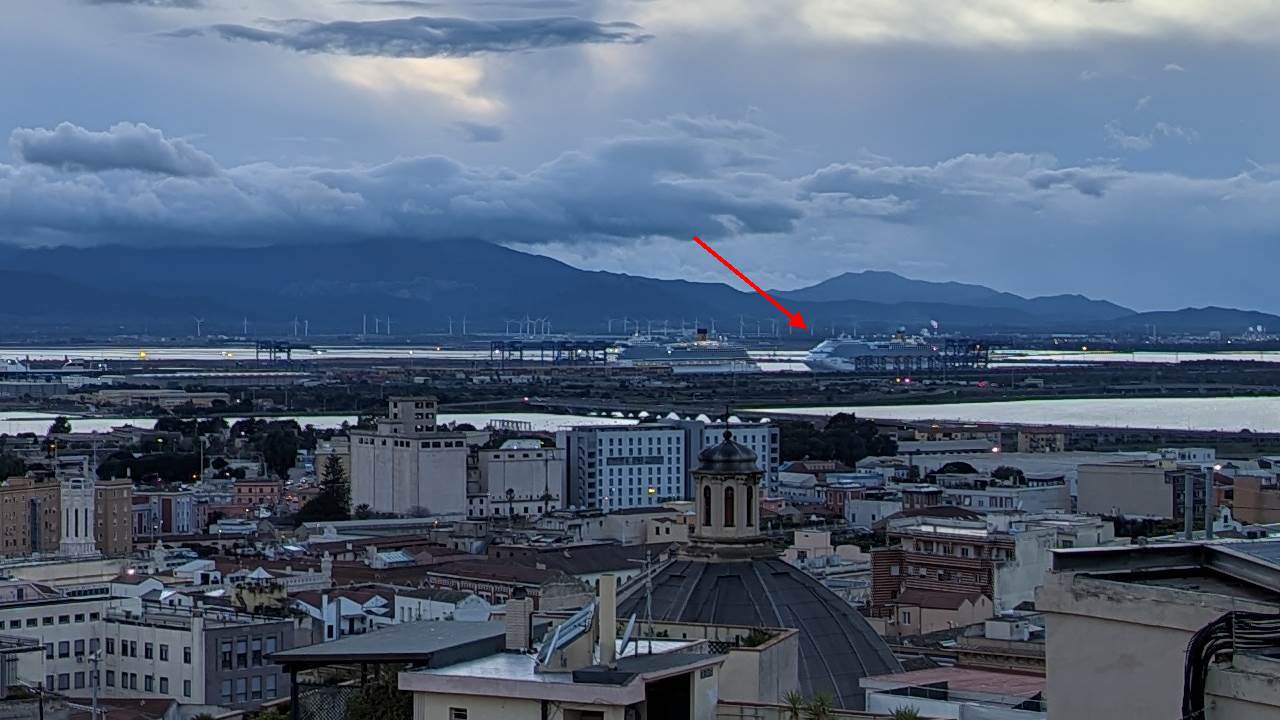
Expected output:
(626, 635)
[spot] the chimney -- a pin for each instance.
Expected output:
(519, 619)
(608, 619)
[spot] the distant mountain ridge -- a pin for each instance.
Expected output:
(889, 287)
(421, 285)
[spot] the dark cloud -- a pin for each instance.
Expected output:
(153, 190)
(1088, 181)
(150, 3)
(432, 4)
(424, 37)
(125, 146)
(479, 132)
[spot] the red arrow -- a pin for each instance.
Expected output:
(793, 319)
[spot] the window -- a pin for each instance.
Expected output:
(148, 651)
(242, 653)
(186, 655)
(906, 617)
(256, 645)
(186, 688)
(225, 649)
(31, 622)
(706, 506)
(242, 689)
(46, 620)
(751, 503)
(64, 681)
(64, 619)
(48, 651)
(80, 680)
(255, 688)
(226, 691)
(111, 678)
(457, 713)
(270, 686)
(164, 652)
(149, 683)
(15, 624)
(93, 616)
(164, 685)
(728, 507)
(79, 647)
(271, 645)
(48, 682)
(79, 617)
(64, 649)
(93, 645)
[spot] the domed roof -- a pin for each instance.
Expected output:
(729, 457)
(837, 647)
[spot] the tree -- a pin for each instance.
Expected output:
(906, 712)
(11, 466)
(334, 500)
(381, 698)
(795, 704)
(280, 451)
(957, 467)
(820, 707)
(60, 426)
(1010, 474)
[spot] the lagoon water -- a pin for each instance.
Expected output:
(1258, 414)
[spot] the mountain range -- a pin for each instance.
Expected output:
(109, 290)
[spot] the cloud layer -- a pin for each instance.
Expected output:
(428, 37)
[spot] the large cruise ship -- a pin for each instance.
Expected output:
(899, 353)
(700, 354)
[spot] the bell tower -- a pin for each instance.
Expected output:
(727, 495)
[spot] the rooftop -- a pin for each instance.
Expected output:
(421, 643)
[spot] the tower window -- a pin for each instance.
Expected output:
(751, 502)
(728, 507)
(706, 506)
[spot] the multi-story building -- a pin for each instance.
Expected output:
(1140, 488)
(30, 516)
(252, 493)
(615, 467)
(520, 478)
(113, 516)
(163, 512)
(763, 438)
(987, 494)
(78, 500)
(68, 627)
(1256, 498)
(405, 464)
(196, 656)
(950, 555)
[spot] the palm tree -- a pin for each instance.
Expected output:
(795, 704)
(820, 707)
(906, 712)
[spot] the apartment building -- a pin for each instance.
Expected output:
(1139, 488)
(30, 516)
(201, 657)
(988, 494)
(68, 627)
(406, 464)
(616, 467)
(113, 516)
(164, 512)
(762, 437)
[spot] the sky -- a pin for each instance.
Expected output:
(1122, 149)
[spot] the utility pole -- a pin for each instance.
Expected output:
(93, 683)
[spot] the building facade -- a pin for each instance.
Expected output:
(619, 467)
(30, 516)
(113, 516)
(405, 465)
(520, 478)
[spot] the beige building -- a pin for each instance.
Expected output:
(30, 516)
(406, 466)
(1256, 499)
(1139, 488)
(520, 478)
(1120, 624)
(113, 515)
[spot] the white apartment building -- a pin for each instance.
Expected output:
(520, 478)
(619, 467)
(406, 464)
(763, 438)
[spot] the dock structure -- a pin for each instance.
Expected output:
(559, 352)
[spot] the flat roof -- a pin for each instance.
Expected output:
(403, 642)
(962, 680)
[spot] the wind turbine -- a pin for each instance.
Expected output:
(199, 325)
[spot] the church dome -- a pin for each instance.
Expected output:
(728, 457)
(837, 647)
